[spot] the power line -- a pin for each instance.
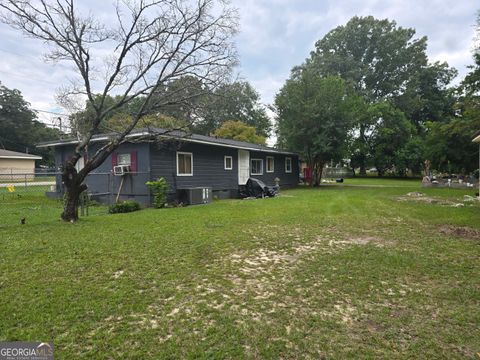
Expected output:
(50, 112)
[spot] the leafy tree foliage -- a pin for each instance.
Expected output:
(449, 143)
(187, 109)
(449, 146)
(389, 130)
(375, 56)
(384, 62)
(314, 118)
(427, 96)
(238, 101)
(19, 128)
(240, 131)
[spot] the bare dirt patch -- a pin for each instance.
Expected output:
(419, 197)
(422, 198)
(460, 231)
(359, 240)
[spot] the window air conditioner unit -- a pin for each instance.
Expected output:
(195, 195)
(121, 170)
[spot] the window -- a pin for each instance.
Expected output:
(228, 162)
(257, 167)
(288, 164)
(270, 164)
(124, 159)
(184, 164)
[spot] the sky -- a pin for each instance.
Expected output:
(274, 36)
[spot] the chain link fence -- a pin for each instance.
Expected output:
(36, 198)
(23, 198)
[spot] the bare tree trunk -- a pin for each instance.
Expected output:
(74, 187)
(320, 165)
(317, 173)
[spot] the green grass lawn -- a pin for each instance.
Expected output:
(376, 181)
(332, 272)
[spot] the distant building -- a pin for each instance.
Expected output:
(13, 162)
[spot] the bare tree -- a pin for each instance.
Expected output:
(151, 44)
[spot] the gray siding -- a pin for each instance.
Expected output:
(208, 166)
(286, 179)
(101, 182)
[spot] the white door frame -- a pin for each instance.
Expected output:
(243, 166)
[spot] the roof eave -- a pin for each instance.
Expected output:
(21, 157)
(477, 139)
(104, 138)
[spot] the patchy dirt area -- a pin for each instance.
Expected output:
(423, 198)
(460, 231)
(420, 197)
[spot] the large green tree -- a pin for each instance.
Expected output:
(19, 128)
(314, 116)
(383, 62)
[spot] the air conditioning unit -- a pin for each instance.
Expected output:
(195, 195)
(121, 170)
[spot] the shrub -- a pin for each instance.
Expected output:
(159, 189)
(124, 207)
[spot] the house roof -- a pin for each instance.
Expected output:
(8, 154)
(177, 135)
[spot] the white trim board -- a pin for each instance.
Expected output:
(191, 162)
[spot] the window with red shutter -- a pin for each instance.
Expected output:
(114, 159)
(133, 162)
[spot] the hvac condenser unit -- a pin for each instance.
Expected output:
(195, 195)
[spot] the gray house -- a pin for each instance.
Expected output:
(186, 161)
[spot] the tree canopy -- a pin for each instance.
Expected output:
(238, 101)
(315, 117)
(240, 131)
(19, 128)
(406, 101)
(384, 62)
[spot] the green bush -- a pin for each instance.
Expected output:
(124, 207)
(159, 189)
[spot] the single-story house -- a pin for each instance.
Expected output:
(15, 163)
(186, 161)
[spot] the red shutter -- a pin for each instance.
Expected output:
(114, 159)
(133, 162)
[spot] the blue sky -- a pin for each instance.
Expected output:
(275, 35)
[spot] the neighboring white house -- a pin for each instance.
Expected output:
(12, 162)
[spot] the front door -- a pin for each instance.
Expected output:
(243, 166)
